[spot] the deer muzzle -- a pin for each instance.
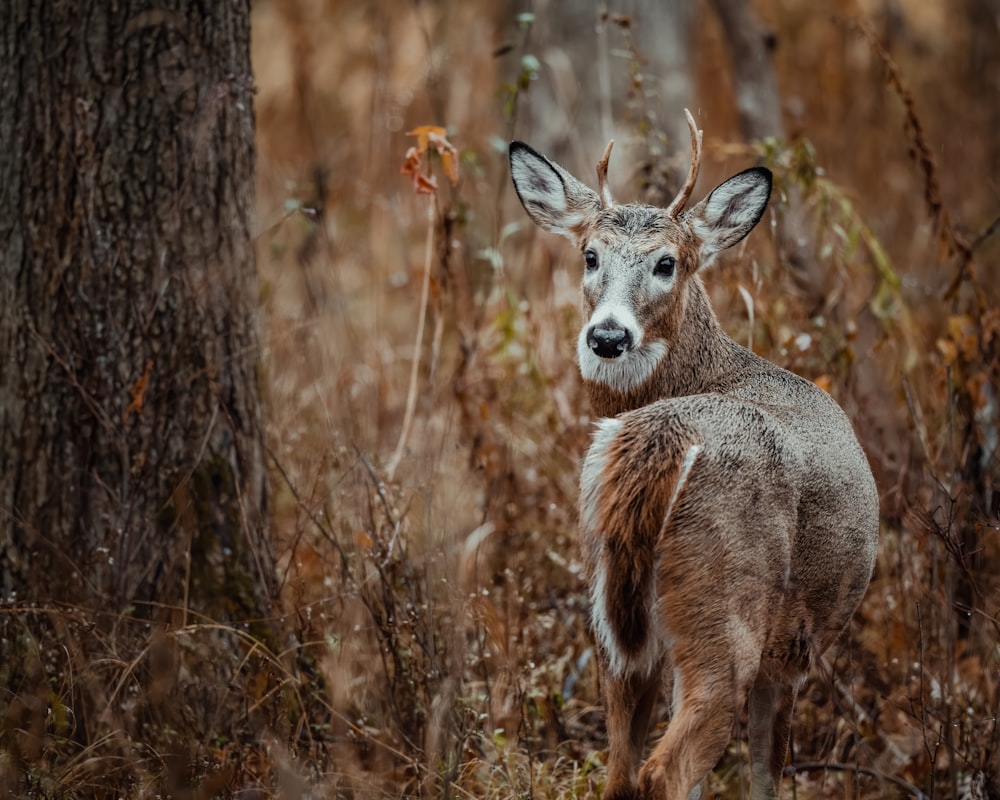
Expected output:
(609, 339)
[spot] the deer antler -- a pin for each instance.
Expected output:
(602, 176)
(677, 205)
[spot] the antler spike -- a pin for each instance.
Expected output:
(602, 176)
(677, 205)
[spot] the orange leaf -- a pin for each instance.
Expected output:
(962, 330)
(946, 347)
(824, 382)
(424, 133)
(428, 136)
(424, 184)
(412, 161)
(138, 393)
(450, 167)
(448, 153)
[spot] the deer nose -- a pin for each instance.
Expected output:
(609, 340)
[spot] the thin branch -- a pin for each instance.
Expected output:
(386, 506)
(988, 231)
(922, 155)
(836, 766)
(88, 400)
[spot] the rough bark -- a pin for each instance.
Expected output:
(131, 463)
(132, 475)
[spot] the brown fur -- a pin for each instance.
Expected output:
(728, 514)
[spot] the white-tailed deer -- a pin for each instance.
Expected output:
(728, 515)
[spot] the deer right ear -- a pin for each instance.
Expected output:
(554, 199)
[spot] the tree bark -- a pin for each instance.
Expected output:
(758, 104)
(758, 101)
(131, 447)
(132, 475)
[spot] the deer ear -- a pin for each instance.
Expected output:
(732, 209)
(554, 199)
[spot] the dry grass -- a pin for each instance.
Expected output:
(433, 637)
(452, 653)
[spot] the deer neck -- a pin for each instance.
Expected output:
(701, 352)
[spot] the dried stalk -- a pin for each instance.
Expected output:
(411, 395)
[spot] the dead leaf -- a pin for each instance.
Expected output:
(138, 393)
(413, 161)
(824, 382)
(448, 153)
(946, 347)
(424, 184)
(963, 332)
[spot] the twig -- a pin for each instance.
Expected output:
(836, 766)
(380, 490)
(921, 153)
(316, 520)
(88, 400)
(988, 231)
(411, 395)
(923, 696)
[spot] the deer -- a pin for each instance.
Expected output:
(728, 516)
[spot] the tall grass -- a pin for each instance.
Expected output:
(452, 651)
(432, 633)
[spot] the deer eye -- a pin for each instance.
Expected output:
(665, 267)
(590, 259)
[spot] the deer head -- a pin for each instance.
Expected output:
(639, 260)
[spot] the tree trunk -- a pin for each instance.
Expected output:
(758, 104)
(132, 471)
(131, 457)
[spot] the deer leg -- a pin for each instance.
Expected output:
(770, 716)
(630, 700)
(706, 696)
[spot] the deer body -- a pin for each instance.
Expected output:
(728, 515)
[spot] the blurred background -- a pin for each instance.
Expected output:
(425, 414)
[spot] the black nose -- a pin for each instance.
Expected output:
(609, 341)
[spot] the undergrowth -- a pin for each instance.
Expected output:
(430, 636)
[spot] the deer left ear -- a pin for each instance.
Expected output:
(730, 212)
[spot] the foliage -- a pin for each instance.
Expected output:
(433, 626)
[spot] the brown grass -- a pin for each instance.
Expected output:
(453, 654)
(433, 637)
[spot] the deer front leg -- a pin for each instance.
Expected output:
(629, 704)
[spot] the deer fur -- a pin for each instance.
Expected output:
(728, 515)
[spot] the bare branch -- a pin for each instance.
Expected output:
(834, 766)
(675, 207)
